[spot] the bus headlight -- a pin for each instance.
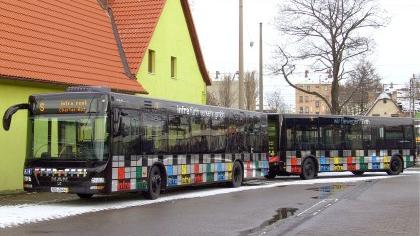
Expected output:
(97, 180)
(27, 179)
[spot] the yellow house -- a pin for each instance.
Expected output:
(144, 47)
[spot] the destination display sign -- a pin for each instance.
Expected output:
(73, 106)
(69, 105)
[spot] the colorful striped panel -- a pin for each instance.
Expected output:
(332, 161)
(184, 169)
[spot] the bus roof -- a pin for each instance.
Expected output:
(289, 115)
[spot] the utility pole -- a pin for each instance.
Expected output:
(413, 95)
(241, 55)
(261, 84)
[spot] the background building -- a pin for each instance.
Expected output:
(384, 106)
(311, 104)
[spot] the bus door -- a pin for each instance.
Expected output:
(274, 137)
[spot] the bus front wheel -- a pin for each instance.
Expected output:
(308, 169)
(395, 166)
(237, 175)
(154, 184)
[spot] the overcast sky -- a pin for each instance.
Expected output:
(396, 55)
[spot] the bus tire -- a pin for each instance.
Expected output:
(85, 195)
(308, 169)
(358, 172)
(395, 166)
(237, 175)
(154, 183)
(273, 171)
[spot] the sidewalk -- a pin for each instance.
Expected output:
(18, 198)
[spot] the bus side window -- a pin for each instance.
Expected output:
(154, 129)
(231, 130)
(178, 134)
(241, 134)
(197, 140)
(327, 137)
(256, 137)
(218, 131)
(206, 134)
(135, 134)
(353, 136)
(128, 142)
(237, 143)
(394, 136)
(408, 136)
(306, 131)
(290, 139)
(332, 137)
(367, 136)
(263, 139)
(123, 132)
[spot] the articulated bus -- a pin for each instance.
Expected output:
(90, 140)
(306, 145)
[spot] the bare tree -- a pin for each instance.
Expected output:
(330, 34)
(366, 83)
(251, 91)
(409, 97)
(226, 98)
(211, 99)
(276, 103)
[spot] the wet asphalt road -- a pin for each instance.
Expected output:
(373, 207)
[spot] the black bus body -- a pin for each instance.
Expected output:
(308, 144)
(91, 140)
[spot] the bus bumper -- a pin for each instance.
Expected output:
(89, 186)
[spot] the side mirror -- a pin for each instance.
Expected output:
(117, 121)
(7, 117)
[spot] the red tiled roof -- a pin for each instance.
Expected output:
(136, 21)
(62, 42)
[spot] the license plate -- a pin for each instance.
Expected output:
(59, 190)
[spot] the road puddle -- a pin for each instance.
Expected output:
(326, 190)
(281, 214)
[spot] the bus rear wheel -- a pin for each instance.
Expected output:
(154, 184)
(308, 169)
(85, 195)
(237, 175)
(358, 172)
(395, 166)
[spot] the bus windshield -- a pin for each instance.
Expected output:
(69, 137)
